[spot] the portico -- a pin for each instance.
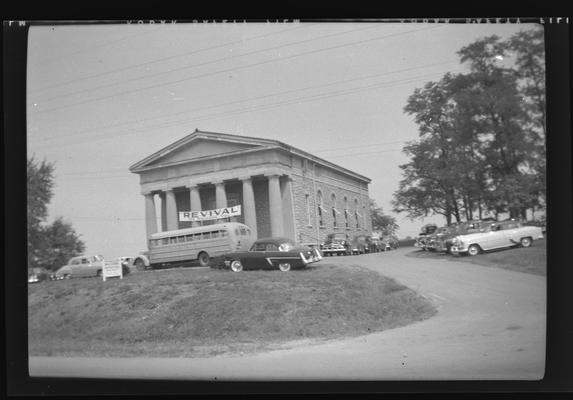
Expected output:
(277, 204)
(273, 183)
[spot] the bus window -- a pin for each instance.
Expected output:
(197, 236)
(206, 235)
(172, 240)
(189, 238)
(223, 233)
(165, 241)
(180, 239)
(243, 231)
(237, 233)
(215, 234)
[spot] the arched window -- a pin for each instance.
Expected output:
(346, 211)
(334, 210)
(356, 214)
(320, 208)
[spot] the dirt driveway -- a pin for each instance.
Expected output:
(490, 326)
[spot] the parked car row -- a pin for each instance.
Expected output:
(474, 237)
(77, 267)
(341, 244)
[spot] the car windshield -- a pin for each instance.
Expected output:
(98, 258)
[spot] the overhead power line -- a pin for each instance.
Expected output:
(91, 48)
(226, 70)
(133, 66)
(201, 64)
(111, 126)
(257, 108)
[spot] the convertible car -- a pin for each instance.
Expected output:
(272, 253)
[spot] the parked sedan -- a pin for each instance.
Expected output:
(498, 235)
(272, 253)
(81, 266)
(335, 243)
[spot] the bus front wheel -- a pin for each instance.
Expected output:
(203, 259)
(139, 264)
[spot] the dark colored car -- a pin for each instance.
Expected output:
(36, 275)
(390, 242)
(272, 253)
(360, 244)
(424, 235)
(443, 238)
(336, 243)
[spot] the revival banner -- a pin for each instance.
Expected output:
(208, 215)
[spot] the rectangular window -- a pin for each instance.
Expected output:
(206, 235)
(215, 234)
(180, 239)
(224, 233)
(189, 238)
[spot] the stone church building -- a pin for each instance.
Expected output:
(282, 191)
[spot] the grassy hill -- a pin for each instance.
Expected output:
(191, 311)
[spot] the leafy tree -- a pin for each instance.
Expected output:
(481, 145)
(381, 222)
(49, 246)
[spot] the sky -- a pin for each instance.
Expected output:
(101, 97)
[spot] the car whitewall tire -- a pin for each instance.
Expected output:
(284, 267)
(236, 266)
(525, 242)
(473, 250)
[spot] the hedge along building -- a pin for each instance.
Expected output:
(282, 191)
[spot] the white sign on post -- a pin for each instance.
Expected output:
(112, 269)
(207, 215)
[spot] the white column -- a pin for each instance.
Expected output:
(163, 212)
(220, 198)
(275, 206)
(287, 208)
(150, 217)
(194, 202)
(171, 210)
(249, 210)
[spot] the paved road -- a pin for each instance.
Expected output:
(490, 326)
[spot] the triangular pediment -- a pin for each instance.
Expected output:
(200, 149)
(199, 146)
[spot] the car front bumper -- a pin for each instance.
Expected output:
(458, 249)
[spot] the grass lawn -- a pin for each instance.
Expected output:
(532, 260)
(204, 312)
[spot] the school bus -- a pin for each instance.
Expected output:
(202, 243)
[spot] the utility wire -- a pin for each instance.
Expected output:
(253, 99)
(224, 71)
(203, 64)
(60, 58)
(256, 108)
(121, 170)
(106, 127)
(126, 68)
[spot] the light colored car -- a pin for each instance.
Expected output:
(498, 235)
(81, 266)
